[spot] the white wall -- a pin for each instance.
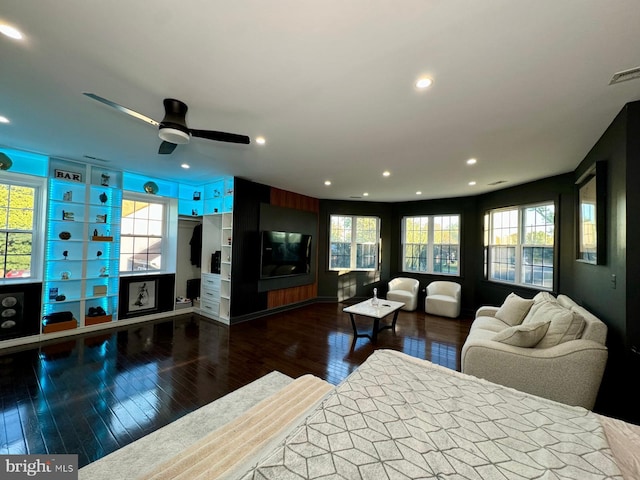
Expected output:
(184, 269)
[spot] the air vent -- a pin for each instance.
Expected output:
(355, 196)
(497, 183)
(625, 75)
(89, 157)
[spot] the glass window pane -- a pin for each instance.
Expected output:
(141, 210)
(155, 228)
(155, 245)
(340, 255)
(20, 218)
(366, 256)
(22, 197)
(126, 226)
(140, 244)
(126, 245)
(19, 243)
(156, 211)
(140, 227)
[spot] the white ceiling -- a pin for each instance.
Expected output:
(520, 85)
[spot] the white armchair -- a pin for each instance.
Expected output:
(403, 289)
(443, 298)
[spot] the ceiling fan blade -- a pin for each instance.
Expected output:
(126, 110)
(220, 136)
(166, 148)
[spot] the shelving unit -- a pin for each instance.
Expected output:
(82, 248)
(190, 201)
(217, 235)
(225, 266)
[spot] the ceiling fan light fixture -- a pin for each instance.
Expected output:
(173, 135)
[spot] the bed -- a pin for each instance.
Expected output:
(397, 416)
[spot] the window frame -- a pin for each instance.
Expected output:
(39, 185)
(519, 246)
(430, 244)
(165, 247)
(354, 244)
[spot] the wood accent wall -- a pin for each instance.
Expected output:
(287, 296)
(284, 198)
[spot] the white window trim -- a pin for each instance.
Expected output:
(354, 250)
(519, 246)
(168, 250)
(39, 224)
(430, 245)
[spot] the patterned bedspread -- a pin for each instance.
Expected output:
(400, 417)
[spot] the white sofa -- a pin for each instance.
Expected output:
(546, 346)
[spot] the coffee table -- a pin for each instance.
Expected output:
(366, 309)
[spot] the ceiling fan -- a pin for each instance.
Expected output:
(173, 128)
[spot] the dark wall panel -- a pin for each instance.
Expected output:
(592, 285)
(633, 230)
(164, 290)
(245, 297)
(20, 305)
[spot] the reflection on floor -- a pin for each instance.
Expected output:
(91, 395)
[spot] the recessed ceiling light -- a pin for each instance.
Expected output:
(472, 161)
(472, 183)
(261, 140)
(365, 194)
(185, 165)
(4, 119)
(424, 82)
(418, 192)
(10, 31)
(327, 182)
(386, 173)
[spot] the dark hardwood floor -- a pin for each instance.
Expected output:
(91, 395)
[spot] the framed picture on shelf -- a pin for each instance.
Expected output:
(142, 296)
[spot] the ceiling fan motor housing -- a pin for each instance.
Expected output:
(173, 128)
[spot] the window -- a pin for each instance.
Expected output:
(354, 242)
(431, 244)
(142, 232)
(18, 215)
(519, 245)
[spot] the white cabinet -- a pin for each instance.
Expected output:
(210, 295)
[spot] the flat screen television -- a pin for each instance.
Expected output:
(284, 254)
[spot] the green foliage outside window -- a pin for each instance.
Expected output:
(16, 230)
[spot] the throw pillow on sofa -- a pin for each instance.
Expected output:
(523, 335)
(514, 309)
(564, 324)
